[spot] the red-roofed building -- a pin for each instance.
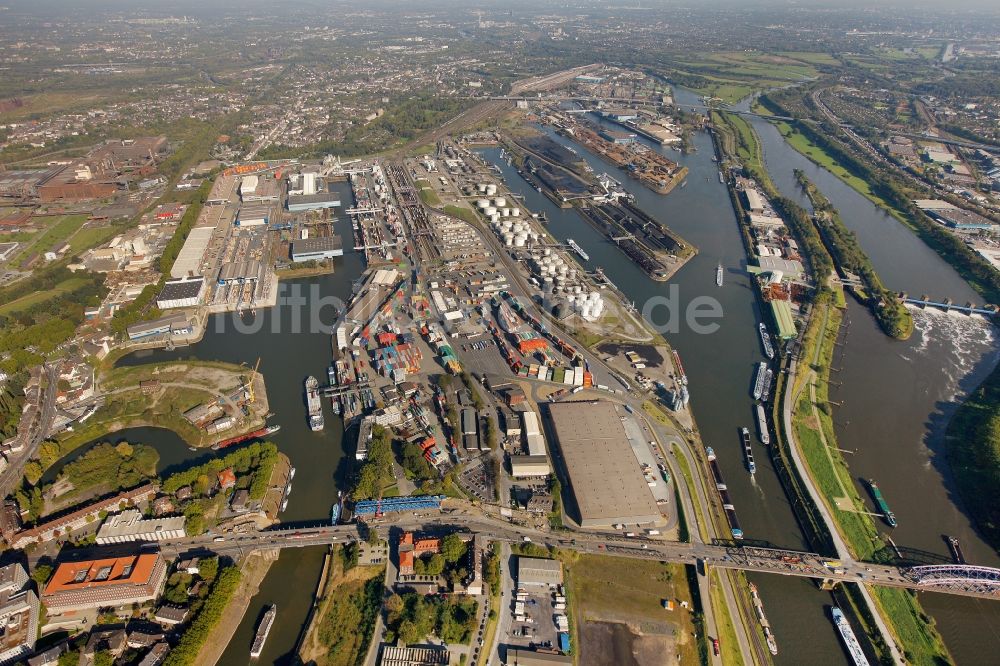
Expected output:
(227, 478)
(115, 581)
(410, 548)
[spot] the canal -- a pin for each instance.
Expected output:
(720, 365)
(894, 399)
(290, 347)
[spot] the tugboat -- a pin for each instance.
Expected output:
(718, 275)
(262, 631)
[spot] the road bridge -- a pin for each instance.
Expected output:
(964, 580)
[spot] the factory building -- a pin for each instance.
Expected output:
(527, 466)
(602, 471)
(189, 259)
(253, 216)
(129, 525)
(298, 203)
(324, 247)
(114, 581)
(182, 293)
(247, 270)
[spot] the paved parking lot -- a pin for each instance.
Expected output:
(486, 360)
(477, 478)
(539, 628)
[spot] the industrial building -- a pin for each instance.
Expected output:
(176, 324)
(114, 581)
(603, 472)
(782, 313)
(298, 203)
(533, 438)
(536, 572)
(788, 268)
(189, 259)
(239, 271)
(182, 293)
(524, 657)
(525, 466)
(324, 247)
(393, 655)
(253, 216)
(18, 614)
(129, 525)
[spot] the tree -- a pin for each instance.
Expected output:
(124, 449)
(453, 548)
(394, 604)
(435, 565)
(208, 568)
(41, 574)
(201, 485)
(408, 632)
(33, 471)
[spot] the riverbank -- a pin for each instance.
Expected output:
(973, 443)
(342, 621)
(254, 568)
(309, 270)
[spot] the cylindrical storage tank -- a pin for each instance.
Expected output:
(516, 212)
(508, 239)
(577, 289)
(505, 212)
(585, 310)
(499, 202)
(594, 295)
(519, 241)
(534, 235)
(483, 204)
(598, 309)
(491, 189)
(563, 271)
(547, 251)
(482, 187)
(490, 210)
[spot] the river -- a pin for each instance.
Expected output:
(895, 398)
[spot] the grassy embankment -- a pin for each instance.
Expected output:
(893, 317)
(343, 621)
(427, 193)
(729, 645)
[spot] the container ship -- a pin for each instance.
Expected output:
(313, 404)
(727, 503)
(256, 434)
(847, 635)
(747, 451)
(576, 248)
(758, 606)
(765, 339)
(762, 432)
(888, 515)
(262, 631)
(718, 276)
(758, 385)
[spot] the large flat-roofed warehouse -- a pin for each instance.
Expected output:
(322, 247)
(538, 571)
(603, 472)
(182, 293)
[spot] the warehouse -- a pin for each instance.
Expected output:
(525, 466)
(536, 571)
(182, 293)
(247, 270)
(189, 259)
(324, 247)
(176, 324)
(789, 268)
(782, 313)
(603, 473)
(532, 434)
(302, 202)
(253, 216)
(469, 421)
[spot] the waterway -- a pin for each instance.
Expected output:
(720, 365)
(894, 399)
(290, 348)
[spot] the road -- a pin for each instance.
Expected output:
(11, 476)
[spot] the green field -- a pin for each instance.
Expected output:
(25, 302)
(462, 213)
(89, 237)
(55, 233)
(427, 193)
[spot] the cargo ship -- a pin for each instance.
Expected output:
(847, 635)
(263, 629)
(313, 404)
(727, 503)
(576, 248)
(718, 276)
(337, 508)
(758, 606)
(765, 392)
(765, 339)
(888, 515)
(758, 385)
(762, 432)
(956, 550)
(747, 451)
(256, 434)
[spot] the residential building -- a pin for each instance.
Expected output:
(129, 525)
(114, 581)
(18, 614)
